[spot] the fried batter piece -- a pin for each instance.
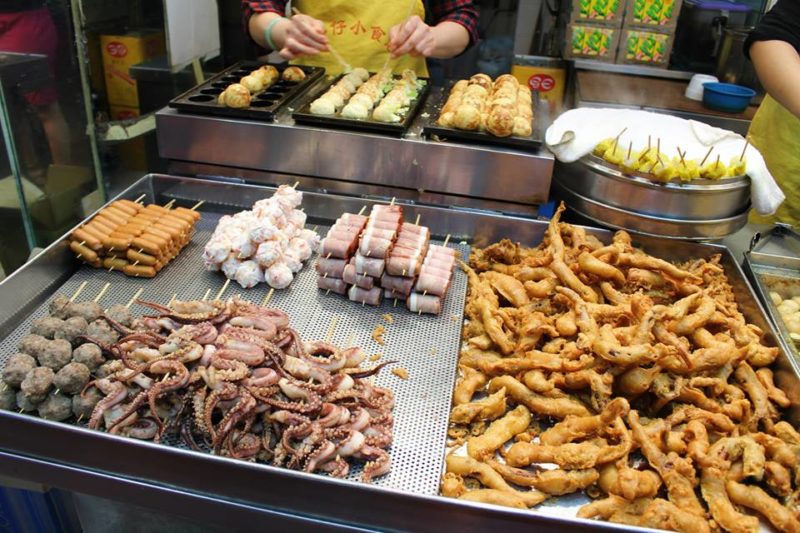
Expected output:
(562, 339)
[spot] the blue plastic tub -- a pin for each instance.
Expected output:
(727, 97)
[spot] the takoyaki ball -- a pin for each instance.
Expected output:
(46, 326)
(483, 80)
(72, 378)
(25, 402)
(89, 355)
(236, 96)
(72, 328)
(269, 73)
(8, 399)
(101, 331)
(60, 307)
(56, 354)
(37, 384)
(253, 83)
(56, 407)
(32, 344)
(121, 314)
(293, 74)
(90, 311)
(17, 367)
(83, 405)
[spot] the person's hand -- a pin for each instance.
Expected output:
(303, 36)
(412, 37)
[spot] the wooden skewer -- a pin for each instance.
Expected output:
(102, 292)
(58, 391)
(135, 297)
(395, 303)
(81, 243)
(20, 410)
(363, 303)
(197, 205)
(416, 222)
(327, 292)
(746, 144)
(717, 163)
(648, 143)
(362, 210)
(404, 272)
(325, 275)
(328, 256)
(392, 202)
(139, 199)
(446, 240)
(112, 268)
(644, 154)
(703, 162)
(80, 289)
(222, 290)
(630, 147)
(80, 418)
(296, 183)
(169, 204)
(268, 297)
(681, 154)
(166, 376)
(332, 328)
(205, 296)
(172, 300)
(658, 147)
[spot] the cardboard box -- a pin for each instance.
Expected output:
(591, 41)
(132, 153)
(61, 204)
(120, 53)
(546, 76)
(645, 47)
(660, 15)
(609, 12)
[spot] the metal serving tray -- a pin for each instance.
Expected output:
(773, 263)
(233, 494)
(305, 116)
(203, 98)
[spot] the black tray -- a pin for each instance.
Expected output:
(203, 98)
(431, 128)
(304, 115)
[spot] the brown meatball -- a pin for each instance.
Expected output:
(89, 355)
(120, 313)
(82, 406)
(25, 402)
(100, 331)
(8, 399)
(60, 307)
(56, 354)
(56, 407)
(72, 378)
(46, 326)
(71, 328)
(37, 384)
(90, 311)
(32, 344)
(17, 368)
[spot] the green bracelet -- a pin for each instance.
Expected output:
(268, 32)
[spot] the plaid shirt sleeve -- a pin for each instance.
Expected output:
(463, 12)
(252, 7)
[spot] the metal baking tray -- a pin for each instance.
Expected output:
(230, 494)
(203, 98)
(433, 131)
(773, 264)
(305, 116)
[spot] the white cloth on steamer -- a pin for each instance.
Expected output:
(576, 132)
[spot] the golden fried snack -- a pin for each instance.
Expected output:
(676, 473)
(552, 482)
(570, 456)
(574, 428)
(763, 410)
(470, 381)
(453, 485)
(592, 265)
(542, 405)
(620, 479)
(758, 500)
(499, 432)
(508, 287)
(712, 486)
(488, 408)
(776, 395)
(496, 497)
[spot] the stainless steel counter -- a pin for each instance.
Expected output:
(218, 491)
(409, 167)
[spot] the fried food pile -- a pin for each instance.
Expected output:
(638, 378)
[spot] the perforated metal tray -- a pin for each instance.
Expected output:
(427, 346)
